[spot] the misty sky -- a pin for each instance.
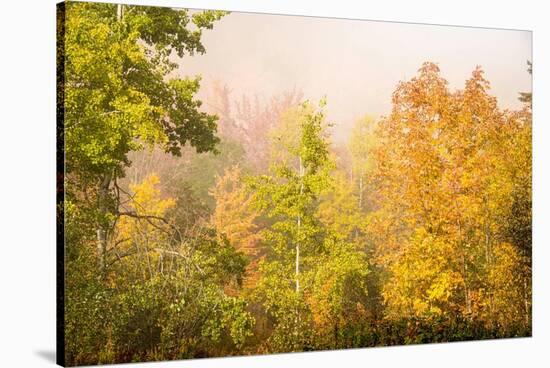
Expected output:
(355, 63)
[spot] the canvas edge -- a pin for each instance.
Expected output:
(60, 186)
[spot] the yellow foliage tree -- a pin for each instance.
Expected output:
(506, 306)
(234, 219)
(424, 279)
(141, 231)
(446, 179)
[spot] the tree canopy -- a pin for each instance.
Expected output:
(186, 241)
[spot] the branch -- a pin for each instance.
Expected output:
(146, 217)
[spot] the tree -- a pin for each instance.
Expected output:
(140, 232)
(424, 279)
(527, 97)
(257, 120)
(339, 295)
(249, 120)
(362, 144)
(517, 164)
(118, 97)
(234, 218)
(408, 163)
(445, 174)
(298, 180)
(508, 294)
(289, 199)
(166, 291)
(203, 169)
(312, 281)
(339, 209)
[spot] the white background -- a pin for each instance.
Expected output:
(27, 182)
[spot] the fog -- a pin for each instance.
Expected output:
(356, 64)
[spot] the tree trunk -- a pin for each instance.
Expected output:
(467, 301)
(361, 192)
(525, 302)
(298, 262)
(466, 286)
(299, 223)
(119, 11)
(102, 226)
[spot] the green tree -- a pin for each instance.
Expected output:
(119, 95)
(203, 169)
(289, 198)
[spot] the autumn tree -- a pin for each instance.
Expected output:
(237, 227)
(234, 218)
(120, 96)
(362, 144)
(339, 208)
(518, 166)
(444, 184)
(248, 120)
(166, 295)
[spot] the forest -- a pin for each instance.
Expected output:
(236, 226)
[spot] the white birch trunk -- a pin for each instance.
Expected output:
(119, 12)
(101, 229)
(299, 223)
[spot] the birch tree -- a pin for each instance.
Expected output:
(289, 198)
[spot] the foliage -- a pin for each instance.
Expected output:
(442, 168)
(202, 170)
(424, 281)
(234, 218)
(117, 97)
(184, 244)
